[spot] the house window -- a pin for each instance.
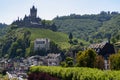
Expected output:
(40, 42)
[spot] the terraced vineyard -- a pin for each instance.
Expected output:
(76, 73)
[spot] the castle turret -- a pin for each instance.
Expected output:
(33, 12)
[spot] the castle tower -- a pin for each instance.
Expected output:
(33, 12)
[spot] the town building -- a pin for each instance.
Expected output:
(42, 43)
(50, 59)
(105, 49)
(53, 59)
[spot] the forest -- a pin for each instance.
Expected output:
(91, 27)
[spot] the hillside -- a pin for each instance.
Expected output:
(92, 28)
(60, 38)
(111, 27)
(20, 41)
(79, 27)
(85, 29)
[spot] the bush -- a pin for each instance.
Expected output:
(86, 58)
(99, 62)
(115, 61)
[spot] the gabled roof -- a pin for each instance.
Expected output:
(98, 45)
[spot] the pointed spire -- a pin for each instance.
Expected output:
(33, 7)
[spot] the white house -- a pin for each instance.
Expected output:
(42, 43)
(53, 59)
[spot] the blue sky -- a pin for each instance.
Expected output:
(48, 9)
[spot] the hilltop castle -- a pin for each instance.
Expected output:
(33, 21)
(29, 21)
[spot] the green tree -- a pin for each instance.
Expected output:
(19, 52)
(86, 58)
(68, 62)
(53, 27)
(13, 49)
(113, 40)
(54, 48)
(115, 61)
(99, 62)
(75, 41)
(70, 38)
(26, 38)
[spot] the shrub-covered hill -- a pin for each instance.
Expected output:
(20, 41)
(81, 28)
(110, 28)
(93, 28)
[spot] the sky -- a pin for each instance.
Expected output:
(10, 10)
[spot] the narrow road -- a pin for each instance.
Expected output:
(12, 77)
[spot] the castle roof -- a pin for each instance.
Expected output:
(33, 8)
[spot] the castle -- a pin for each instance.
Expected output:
(29, 21)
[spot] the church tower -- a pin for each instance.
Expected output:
(33, 12)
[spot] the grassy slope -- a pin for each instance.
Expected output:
(18, 34)
(60, 38)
